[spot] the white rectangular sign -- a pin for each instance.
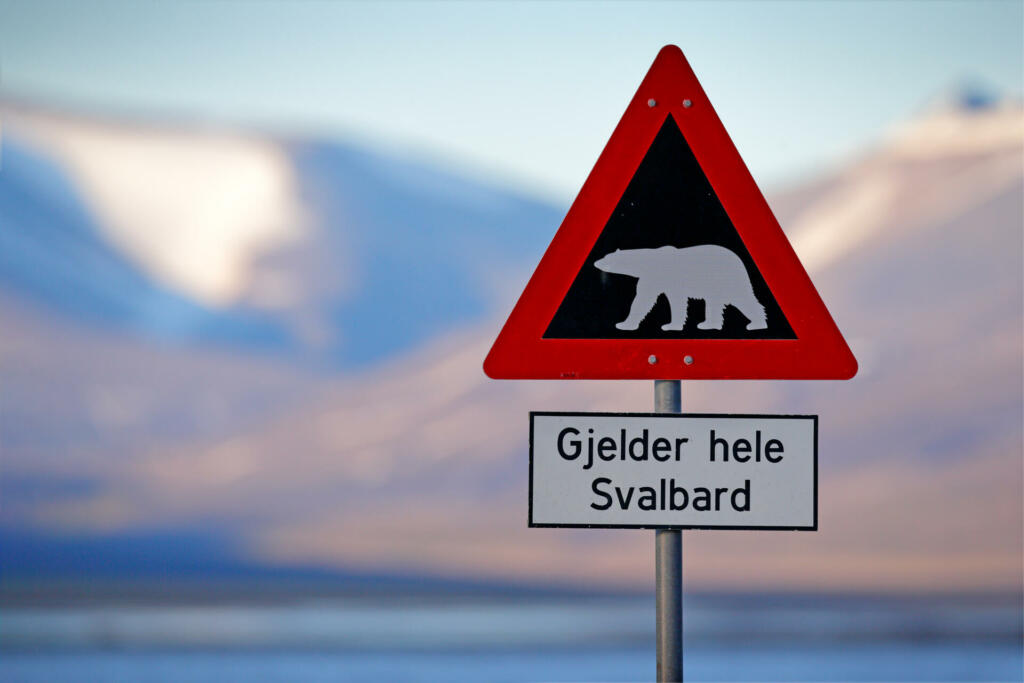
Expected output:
(679, 471)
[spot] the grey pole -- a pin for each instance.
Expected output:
(668, 567)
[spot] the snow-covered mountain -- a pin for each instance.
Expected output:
(418, 462)
(316, 252)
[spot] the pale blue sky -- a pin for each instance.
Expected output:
(521, 93)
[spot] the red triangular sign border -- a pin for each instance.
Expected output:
(819, 350)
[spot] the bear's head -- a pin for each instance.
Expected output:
(621, 262)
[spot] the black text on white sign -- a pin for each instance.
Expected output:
(663, 470)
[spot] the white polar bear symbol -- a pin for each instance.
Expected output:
(707, 272)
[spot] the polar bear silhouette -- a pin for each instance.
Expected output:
(707, 272)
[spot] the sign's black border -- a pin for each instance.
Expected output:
(546, 413)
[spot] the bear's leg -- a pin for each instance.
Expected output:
(713, 311)
(677, 304)
(755, 313)
(643, 302)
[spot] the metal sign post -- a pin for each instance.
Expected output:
(668, 566)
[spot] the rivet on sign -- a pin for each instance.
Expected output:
(687, 103)
(688, 360)
(651, 102)
(652, 359)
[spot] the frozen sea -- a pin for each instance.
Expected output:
(727, 638)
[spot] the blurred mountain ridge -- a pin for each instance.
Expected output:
(289, 247)
(418, 461)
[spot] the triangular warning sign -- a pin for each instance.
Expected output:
(670, 264)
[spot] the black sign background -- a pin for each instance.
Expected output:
(670, 202)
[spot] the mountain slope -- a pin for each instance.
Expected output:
(309, 251)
